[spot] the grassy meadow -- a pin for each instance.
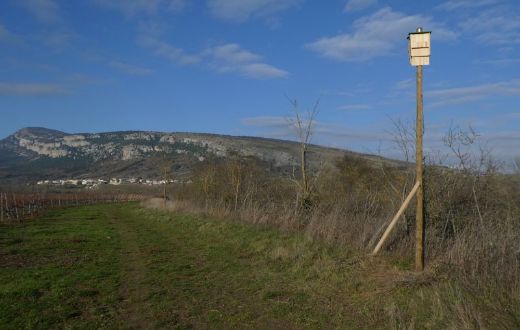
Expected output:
(127, 266)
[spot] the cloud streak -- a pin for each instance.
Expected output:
(499, 61)
(241, 10)
(379, 140)
(168, 51)
(31, 89)
(355, 5)
(461, 95)
(56, 32)
(129, 68)
(285, 126)
(464, 4)
(349, 107)
(266, 121)
(494, 26)
(45, 11)
(132, 8)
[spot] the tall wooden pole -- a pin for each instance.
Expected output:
(419, 217)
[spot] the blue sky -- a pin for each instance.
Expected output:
(228, 66)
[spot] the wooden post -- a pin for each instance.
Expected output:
(7, 210)
(419, 217)
(396, 217)
(16, 208)
(1, 208)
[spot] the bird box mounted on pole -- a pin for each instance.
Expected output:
(419, 49)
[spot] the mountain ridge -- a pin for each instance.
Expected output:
(35, 153)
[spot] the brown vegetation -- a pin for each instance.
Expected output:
(472, 215)
(17, 206)
(472, 212)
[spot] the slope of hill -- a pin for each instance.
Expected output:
(36, 153)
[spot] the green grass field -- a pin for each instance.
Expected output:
(124, 266)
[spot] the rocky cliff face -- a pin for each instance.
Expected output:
(40, 153)
(36, 143)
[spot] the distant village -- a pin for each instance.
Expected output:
(94, 183)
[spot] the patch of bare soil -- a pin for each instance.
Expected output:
(133, 312)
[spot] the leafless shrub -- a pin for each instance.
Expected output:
(472, 212)
(516, 165)
(473, 215)
(304, 126)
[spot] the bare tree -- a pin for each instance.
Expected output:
(516, 165)
(207, 182)
(403, 136)
(166, 173)
(304, 125)
(472, 158)
(235, 168)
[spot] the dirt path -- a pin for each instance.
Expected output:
(134, 312)
(151, 255)
(179, 271)
(123, 266)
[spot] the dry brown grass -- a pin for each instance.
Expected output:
(473, 229)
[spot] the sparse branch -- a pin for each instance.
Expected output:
(403, 135)
(516, 165)
(304, 128)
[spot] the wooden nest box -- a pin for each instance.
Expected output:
(419, 47)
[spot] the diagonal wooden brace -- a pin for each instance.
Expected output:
(397, 216)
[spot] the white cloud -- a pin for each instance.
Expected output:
(262, 71)
(494, 26)
(27, 89)
(504, 145)
(354, 5)
(57, 39)
(227, 58)
(464, 4)
(132, 8)
(499, 61)
(233, 53)
(405, 84)
(355, 107)
(233, 58)
(46, 11)
(376, 35)
(242, 10)
(490, 22)
(80, 78)
(168, 51)
(460, 95)
(129, 68)
(122, 66)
